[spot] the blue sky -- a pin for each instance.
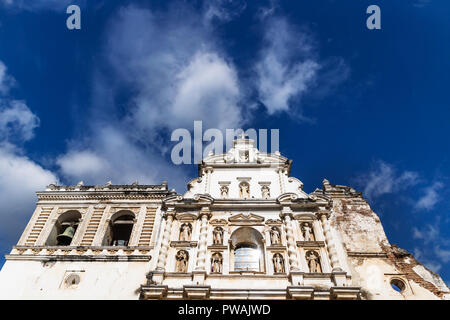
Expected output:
(366, 108)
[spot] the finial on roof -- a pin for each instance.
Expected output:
(108, 183)
(135, 183)
(243, 135)
(80, 184)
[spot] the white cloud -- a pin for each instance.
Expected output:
(175, 69)
(6, 81)
(383, 179)
(177, 74)
(20, 178)
(112, 156)
(82, 163)
(16, 120)
(287, 67)
(430, 197)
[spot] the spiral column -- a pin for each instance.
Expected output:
(286, 215)
(204, 215)
(162, 256)
(323, 216)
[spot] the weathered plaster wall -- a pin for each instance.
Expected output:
(373, 260)
(99, 280)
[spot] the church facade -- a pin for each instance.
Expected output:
(245, 229)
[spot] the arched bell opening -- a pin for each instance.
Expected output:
(247, 250)
(119, 229)
(64, 229)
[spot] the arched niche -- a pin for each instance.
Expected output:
(247, 250)
(119, 229)
(64, 229)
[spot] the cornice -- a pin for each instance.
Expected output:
(110, 195)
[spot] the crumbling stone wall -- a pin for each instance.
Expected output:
(364, 238)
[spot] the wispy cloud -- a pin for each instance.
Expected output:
(289, 67)
(430, 197)
(286, 67)
(16, 120)
(431, 264)
(6, 80)
(383, 179)
(435, 249)
(223, 10)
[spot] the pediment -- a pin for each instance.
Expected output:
(246, 218)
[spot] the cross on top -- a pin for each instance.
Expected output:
(243, 135)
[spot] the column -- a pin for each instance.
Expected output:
(323, 215)
(169, 216)
(208, 170)
(204, 215)
(286, 215)
(281, 178)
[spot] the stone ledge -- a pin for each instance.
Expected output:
(300, 293)
(196, 292)
(310, 244)
(183, 244)
(99, 258)
(345, 293)
(217, 247)
(367, 254)
(153, 292)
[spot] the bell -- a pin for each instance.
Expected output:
(121, 243)
(66, 237)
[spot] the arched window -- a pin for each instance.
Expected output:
(119, 229)
(247, 250)
(64, 229)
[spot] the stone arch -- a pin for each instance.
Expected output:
(247, 250)
(64, 229)
(120, 228)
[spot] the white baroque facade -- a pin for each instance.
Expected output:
(244, 229)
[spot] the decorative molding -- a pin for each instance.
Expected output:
(367, 254)
(273, 222)
(310, 244)
(246, 219)
(217, 247)
(186, 217)
(218, 222)
(183, 244)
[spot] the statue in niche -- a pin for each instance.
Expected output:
(278, 263)
(244, 190)
(185, 232)
(244, 156)
(224, 191)
(275, 236)
(265, 191)
(182, 261)
(312, 257)
(216, 263)
(308, 234)
(218, 235)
